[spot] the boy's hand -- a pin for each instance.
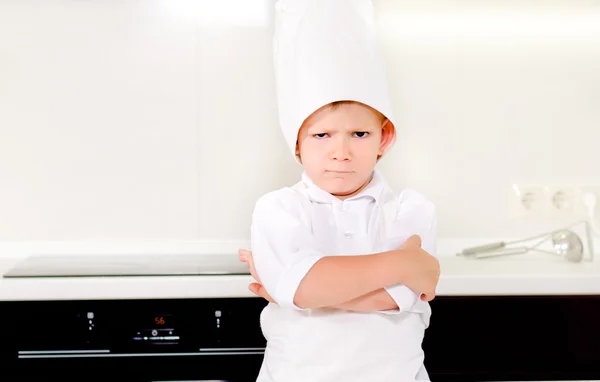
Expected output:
(424, 271)
(256, 288)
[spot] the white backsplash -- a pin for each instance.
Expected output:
(145, 120)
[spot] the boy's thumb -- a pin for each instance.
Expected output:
(413, 242)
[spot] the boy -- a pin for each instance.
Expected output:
(339, 255)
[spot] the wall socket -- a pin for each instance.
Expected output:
(547, 201)
(528, 201)
(562, 200)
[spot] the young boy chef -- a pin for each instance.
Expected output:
(339, 254)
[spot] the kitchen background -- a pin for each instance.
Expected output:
(156, 119)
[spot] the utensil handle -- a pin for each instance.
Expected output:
(506, 252)
(483, 248)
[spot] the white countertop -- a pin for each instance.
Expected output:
(460, 277)
(534, 274)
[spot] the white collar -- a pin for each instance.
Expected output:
(374, 190)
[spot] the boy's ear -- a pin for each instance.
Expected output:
(298, 152)
(387, 136)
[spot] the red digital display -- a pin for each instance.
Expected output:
(163, 321)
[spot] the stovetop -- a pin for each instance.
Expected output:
(128, 265)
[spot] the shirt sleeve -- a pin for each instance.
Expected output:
(283, 246)
(423, 220)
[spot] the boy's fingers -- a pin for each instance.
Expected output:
(260, 291)
(427, 297)
(254, 288)
(252, 269)
(413, 242)
(244, 255)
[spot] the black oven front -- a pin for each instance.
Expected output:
(132, 340)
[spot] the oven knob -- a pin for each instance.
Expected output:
(154, 332)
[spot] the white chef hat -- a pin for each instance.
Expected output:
(326, 51)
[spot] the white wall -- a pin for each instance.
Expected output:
(140, 119)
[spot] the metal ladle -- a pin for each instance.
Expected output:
(566, 244)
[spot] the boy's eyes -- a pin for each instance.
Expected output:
(359, 134)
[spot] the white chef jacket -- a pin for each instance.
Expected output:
(294, 227)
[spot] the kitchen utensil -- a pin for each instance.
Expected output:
(566, 244)
(590, 200)
(500, 245)
(503, 252)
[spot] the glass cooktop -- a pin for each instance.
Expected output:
(128, 265)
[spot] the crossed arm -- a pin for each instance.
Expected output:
(377, 300)
(290, 271)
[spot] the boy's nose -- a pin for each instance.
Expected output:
(340, 150)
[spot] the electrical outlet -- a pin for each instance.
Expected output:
(562, 200)
(528, 201)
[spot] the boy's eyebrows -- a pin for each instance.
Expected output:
(365, 127)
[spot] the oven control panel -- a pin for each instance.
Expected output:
(133, 340)
(130, 328)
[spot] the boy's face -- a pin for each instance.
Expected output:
(339, 147)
